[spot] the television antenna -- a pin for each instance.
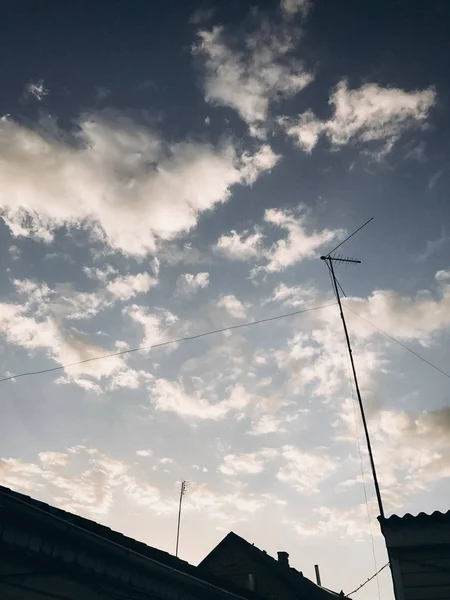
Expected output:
(330, 260)
(182, 493)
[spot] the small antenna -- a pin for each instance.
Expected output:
(182, 493)
(339, 259)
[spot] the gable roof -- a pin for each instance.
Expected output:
(39, 514)
(288, 575)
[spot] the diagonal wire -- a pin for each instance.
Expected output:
(398, 342)
(367, 581)
(168, 343)
(348, 237)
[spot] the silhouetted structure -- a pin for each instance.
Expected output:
(245, 565)
(419, 553)
(46, 552)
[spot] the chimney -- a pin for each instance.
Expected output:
(283, 558)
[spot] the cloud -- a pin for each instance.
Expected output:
(144, 453)
(367, 114)
(267, 424)
(249, 81)
(116, 178)
(224, 506)
(412, 452)
(53, 459)
(433, 179)
(189, 284)
(155, 324)
(250, 463)
(240, 246)
(293, 7)
(83, 480)
(172, 396)
(305, 471)
(405, 317)
(36, 89)
(442, 275)
(433, 247)
(39, 323)
(128, 286)
(294, 296)
(233, 306)
(351, 522)
(299, 244)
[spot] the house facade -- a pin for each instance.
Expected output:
(419, 554)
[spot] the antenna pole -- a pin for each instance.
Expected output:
(182, 490)
(329, 261)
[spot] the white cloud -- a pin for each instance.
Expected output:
(172, 396)
(84, 481)
(189, 283)
(36, 89)
(249, 81)
(370, 113)
(53, 459)
(299, 244)
(240, 246)
(115, 177)
(433, 246)
(144, 453)
(442, 275)
(250, 463)
(267, 424)
(305, 471)
(292, 7)
(294, 296)
(155, 324)
(63, 345)
(128, 286)
(233, 306)
(405, 317)
(100, 274)
(351, 522)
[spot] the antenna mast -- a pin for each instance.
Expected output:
(329, 260)
(182, 492)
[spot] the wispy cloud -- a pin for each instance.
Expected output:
(250, 78)
(369, 114)
(36, 89)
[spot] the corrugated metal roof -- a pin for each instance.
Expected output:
(421, 518)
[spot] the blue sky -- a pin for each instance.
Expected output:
(168, 169)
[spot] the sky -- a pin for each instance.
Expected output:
(173, 168)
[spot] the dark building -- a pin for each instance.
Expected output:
(419, 554)
(47, 553)
(238, 561)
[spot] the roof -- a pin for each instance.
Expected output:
(39, 511)
(421, 519)
(290, 576)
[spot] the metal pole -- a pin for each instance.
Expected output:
(183, 488)
(316, 568)
(358, 394)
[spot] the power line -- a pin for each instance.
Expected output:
(398, 342)
(168, 343)
(367, 581)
